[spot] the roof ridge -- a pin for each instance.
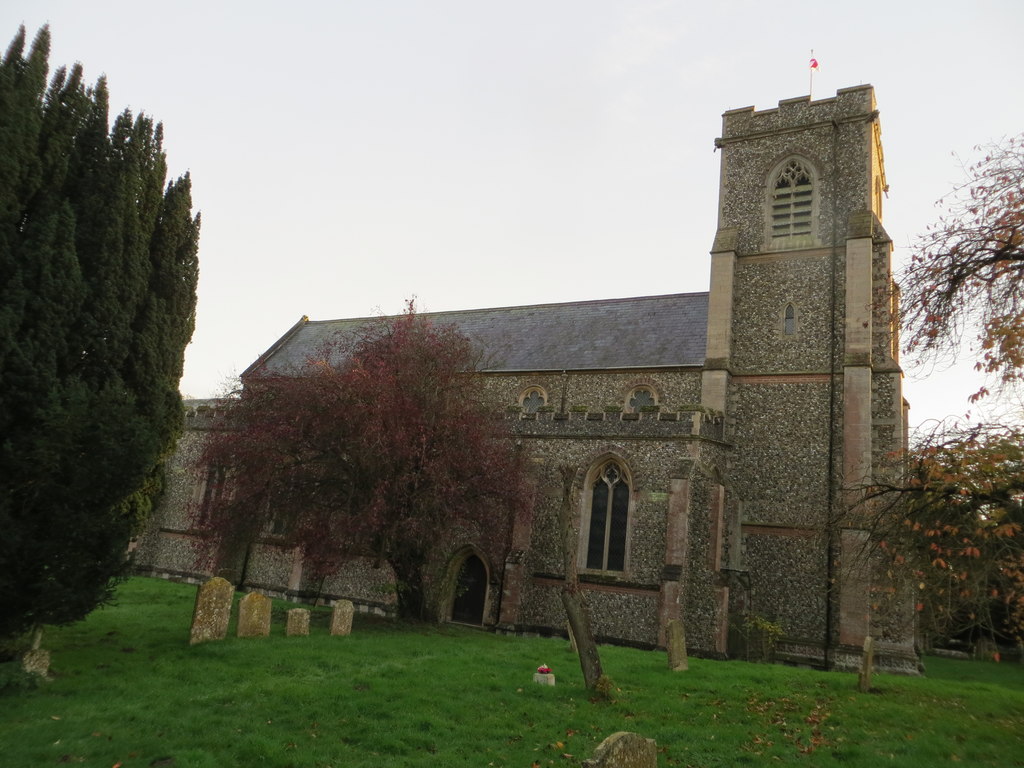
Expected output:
(585, 302)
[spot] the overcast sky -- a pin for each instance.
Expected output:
(347, 156)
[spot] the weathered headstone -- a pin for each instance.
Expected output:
(677, 660)
(298, 622)
(36, 662)
(544, 675)
(254, 615)
(212, 612)
(867, 665)
(341, 617)
(624, 750)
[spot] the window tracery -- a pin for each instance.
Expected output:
(533, 399)
(640, 398)
(607, 527)
(792, 202)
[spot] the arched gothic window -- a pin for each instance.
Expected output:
(609, 515)
(789, 320)
(792, 203)
(533, 399)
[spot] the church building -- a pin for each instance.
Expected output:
(719, 439)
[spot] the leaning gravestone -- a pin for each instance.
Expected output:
(677, 660)
(624, 750)
(212, 612)
(341, 618)
(867, 664)
(298, 622)
(254, 615)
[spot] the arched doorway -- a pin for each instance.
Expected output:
(470, 592)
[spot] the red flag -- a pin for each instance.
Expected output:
(814, 63)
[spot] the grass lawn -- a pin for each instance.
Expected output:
(129, 691)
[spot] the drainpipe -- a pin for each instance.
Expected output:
(833, 351)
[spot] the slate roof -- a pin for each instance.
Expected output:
(644, 332)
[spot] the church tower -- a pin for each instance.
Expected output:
(802, 360)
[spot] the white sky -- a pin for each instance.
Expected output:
(347, 156)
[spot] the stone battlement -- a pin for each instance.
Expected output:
(606, 424)
(856, 103)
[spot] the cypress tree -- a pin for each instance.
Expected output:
(98, 274)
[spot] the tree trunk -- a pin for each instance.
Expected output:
(410, 594)
(586, 646)
(572, 596)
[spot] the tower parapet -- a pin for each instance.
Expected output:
(800, 113)
(793, 175)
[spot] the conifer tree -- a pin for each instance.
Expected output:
(98, 273)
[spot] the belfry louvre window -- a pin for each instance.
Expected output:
(609, 513)
(792, 201)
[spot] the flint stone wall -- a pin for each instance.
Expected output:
(837, 142)
(780, 468)
(593, 390)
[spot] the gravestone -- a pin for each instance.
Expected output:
(254, 615)
(36, 662)
(677, 660)
(624, 750)
(212, 612)
(341, 618)
(544, 678)
(867, 665)
(298, 622)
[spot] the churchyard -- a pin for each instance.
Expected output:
(128, 689)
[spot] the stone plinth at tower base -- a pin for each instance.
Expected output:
(624, 750)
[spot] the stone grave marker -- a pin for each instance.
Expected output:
(624, 750)
(341, 617)
(867, 665)
(36, 662)
(544, 675)
(298, 622)
(677, 660)
(212, 612)
(254, 615)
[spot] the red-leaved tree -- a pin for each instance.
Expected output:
(954, 527)
(382, 447)
(966, 275)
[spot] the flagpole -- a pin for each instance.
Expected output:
(810, 78)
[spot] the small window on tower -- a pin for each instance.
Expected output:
(789, 320)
